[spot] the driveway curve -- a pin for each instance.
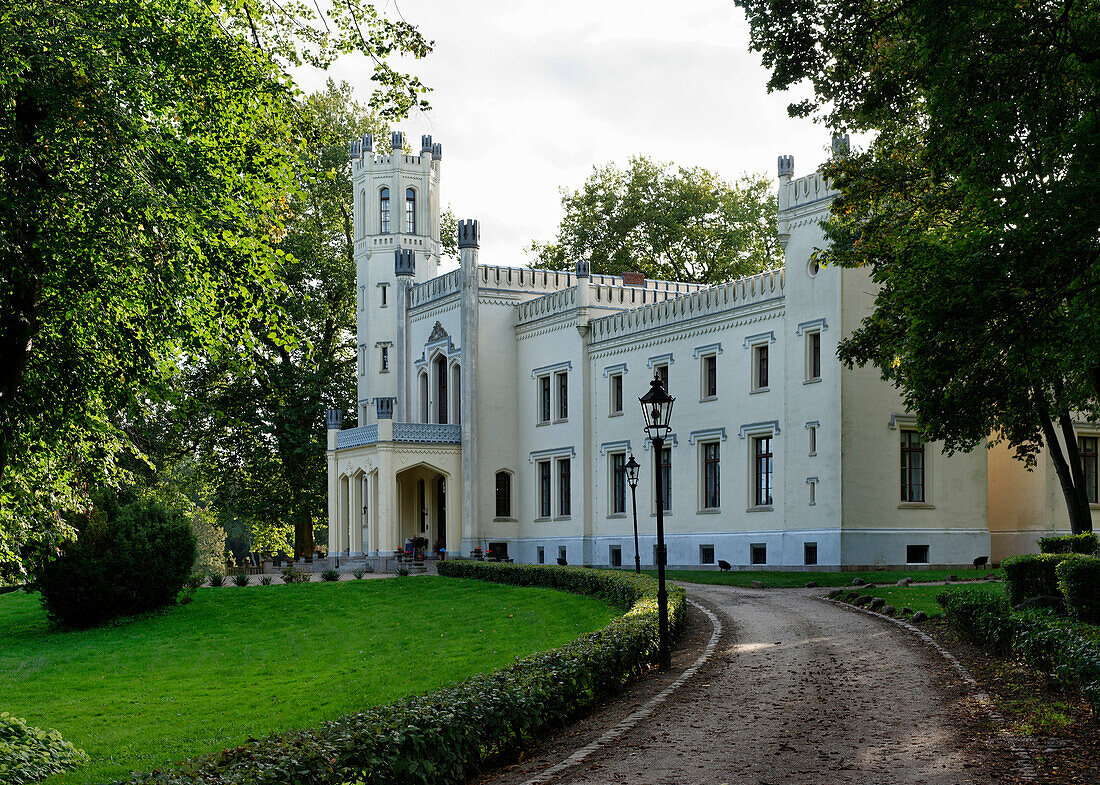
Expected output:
(801, 691)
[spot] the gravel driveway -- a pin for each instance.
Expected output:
(801, 691)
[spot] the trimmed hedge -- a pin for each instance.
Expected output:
(29, 754)
(1079, 580)
(1032, 575)
(1039, 638)
(446, 735)
(1086, 543)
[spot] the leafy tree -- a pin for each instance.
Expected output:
(975, 208)
(682, 224)
(147, 152)
(256, 421)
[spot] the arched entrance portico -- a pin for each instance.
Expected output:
(424, 506)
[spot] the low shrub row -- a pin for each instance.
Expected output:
(1033, 575)
(1079, 582)
(1086, 543)
(29, 754)
(442, 737)
(1039, 638)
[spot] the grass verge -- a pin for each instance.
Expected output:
(786, 579)
(921, 598)
(241, 662)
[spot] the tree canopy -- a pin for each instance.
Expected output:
(681, 224)
(147, 156)
(975, 206)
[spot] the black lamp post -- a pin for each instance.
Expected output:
(632, 467)
(657, 411)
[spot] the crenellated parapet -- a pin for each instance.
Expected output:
(713, 300)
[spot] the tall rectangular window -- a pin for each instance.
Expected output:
(504, 495)
(544, 489)
(410, 211)
(384, 288)
(564, 497)
(385, 358)
(711, 475)
(665, 478)
(544, 399)
(813, 439)
(616, 404)
(384, 211)
(662, 371)
(760, 370)
(912, 467)
(563, 396)
(813, 369)
(618, 482)
(710, 376)
(1088, 448)
(763, 470)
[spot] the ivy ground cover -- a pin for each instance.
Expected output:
(240, 662)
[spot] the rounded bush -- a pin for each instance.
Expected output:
(126, 560)
(29, 754)
(1032, 575)
(1086, 543)
(1079, 580)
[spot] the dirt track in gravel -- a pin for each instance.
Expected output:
(799, 691)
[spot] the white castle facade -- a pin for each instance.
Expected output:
(498, 407)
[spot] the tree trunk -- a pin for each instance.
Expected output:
(1077, 522)
(1077, 472)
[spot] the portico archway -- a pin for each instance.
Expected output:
(424, 506)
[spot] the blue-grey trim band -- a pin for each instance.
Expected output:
(813, 424)
(757, 428)
(710, 348)
(902, 419)
(612, 369)
(812, 481)
(622, 444)
(670, 441)
(554, 452)
(821, 324)
(548, 369)
(752, 340)
(706, 434)
(661, 359)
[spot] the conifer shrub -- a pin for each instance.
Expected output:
(1032, 575)
(127, 559)
(1079, 581)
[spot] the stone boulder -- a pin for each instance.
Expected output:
(919, 616)
(757, 585)
(889, 610)
(858, 581)
(862, 600)
(810, 585)
(834, 593)
(905, 582)
(877, 603)
(906, 610)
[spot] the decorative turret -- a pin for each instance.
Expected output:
(334, 420)
(384, 407)
(425, 144)
(469, 234)
(404, 262)
(437, 152)
(786, 168)
(841, 145)
(584, 268)
(397, 141)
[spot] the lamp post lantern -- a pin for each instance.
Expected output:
(632, 467)
(657, 411)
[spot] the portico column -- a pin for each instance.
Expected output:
(342, 517)
(355, 515)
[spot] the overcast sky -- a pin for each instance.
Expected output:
(529, 96)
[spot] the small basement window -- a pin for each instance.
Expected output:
(540, 555)
(615, 555)
(809, 553)
(706, 554)
(916, 554)
(758, 553)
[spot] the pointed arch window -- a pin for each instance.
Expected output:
(410, 211)
(384, 211)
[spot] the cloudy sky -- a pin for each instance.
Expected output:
(529, 96)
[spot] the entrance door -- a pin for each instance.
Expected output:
(441, 513)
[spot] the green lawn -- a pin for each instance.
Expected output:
(239, 662)
(920, 598)
(786, 579)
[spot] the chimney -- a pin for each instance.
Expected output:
(633, 279)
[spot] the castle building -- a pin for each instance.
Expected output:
(498, 409)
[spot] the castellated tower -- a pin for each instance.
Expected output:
(396, 226)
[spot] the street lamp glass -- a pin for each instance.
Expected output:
(657, 409)
(632, 467)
